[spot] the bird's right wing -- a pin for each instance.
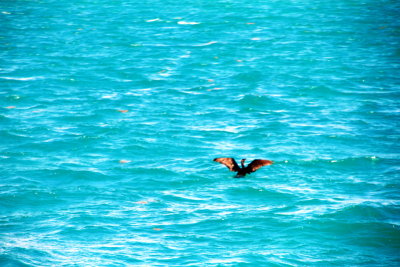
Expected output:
(257, 163)
(229, 162)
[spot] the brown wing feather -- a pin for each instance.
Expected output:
(257, 163)
(229, 162)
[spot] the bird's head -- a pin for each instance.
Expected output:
(243, 160)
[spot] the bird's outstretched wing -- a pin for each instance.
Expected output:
(229, 162)
(257, 163)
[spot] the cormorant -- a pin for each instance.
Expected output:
(242, 171)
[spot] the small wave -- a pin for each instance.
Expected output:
(320, 91)
(252, 100)
(249, 76)
(179, 197)
(22, 78)
(206, 44)
(78, 228)
(153, 20)
(155, 172)
(188, 22)
(256, 193)
(70, 174)
(216, 128)
(111, 96)
(351, 161)
(308, 211)
(8, 261)
(358, 212)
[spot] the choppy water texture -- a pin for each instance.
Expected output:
(112, 111)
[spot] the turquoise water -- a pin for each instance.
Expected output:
(112, 111)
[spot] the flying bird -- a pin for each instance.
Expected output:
(242, 171)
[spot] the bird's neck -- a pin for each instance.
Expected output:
(242, 163)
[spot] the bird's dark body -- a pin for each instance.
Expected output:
(242, 171)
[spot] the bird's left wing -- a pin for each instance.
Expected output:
(228, 162)
(257, 163)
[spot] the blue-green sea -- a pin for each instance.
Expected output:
(111, 113)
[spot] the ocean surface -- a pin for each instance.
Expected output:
(111, 113)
